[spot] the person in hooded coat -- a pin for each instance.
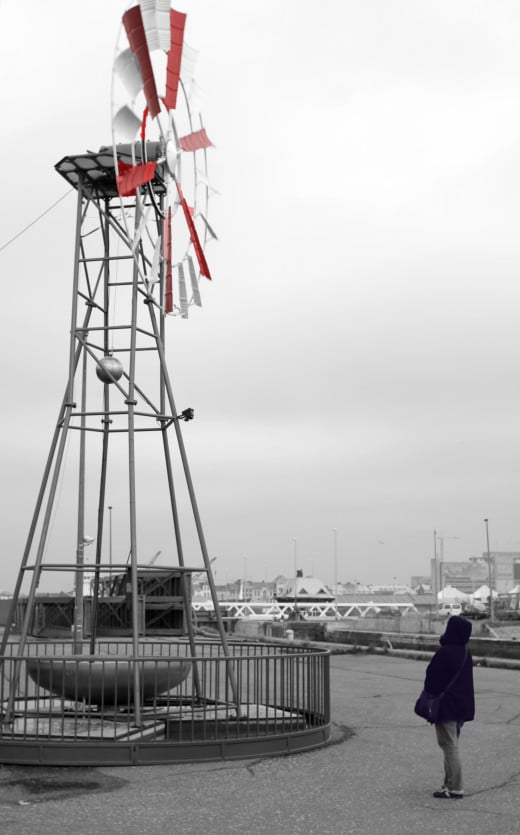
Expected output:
(457, 704)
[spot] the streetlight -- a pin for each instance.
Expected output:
(110, 539)
(436, 582)
(491, 612)
(334, 531)
(295, 578)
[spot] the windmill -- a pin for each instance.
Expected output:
(153, 95)
(139, 201)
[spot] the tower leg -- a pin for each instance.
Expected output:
(38, 561)
(80, 547)
(180, 555)
(100, 519)
(30, 537)
(106, 430)
(131, 403)
(195, 511)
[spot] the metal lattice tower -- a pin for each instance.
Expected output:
(117, 383)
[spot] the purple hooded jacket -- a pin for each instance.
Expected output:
(458, 703)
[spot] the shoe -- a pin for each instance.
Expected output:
(445, 794)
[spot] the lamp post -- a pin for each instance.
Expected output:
(436, 582)
(334, 531)
(110, 541)
(491, 608)
(295, 579)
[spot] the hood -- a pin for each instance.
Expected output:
(458, 631)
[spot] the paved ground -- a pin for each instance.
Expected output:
(377, 778)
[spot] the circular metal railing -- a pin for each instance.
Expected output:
(71, 709)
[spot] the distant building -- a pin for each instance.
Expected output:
(505, 570)
(385, 588)
(308, 590)
(420, 580)
(257, 590)
(250, 590)
(470, 574)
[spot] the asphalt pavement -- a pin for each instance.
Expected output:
(376, 777)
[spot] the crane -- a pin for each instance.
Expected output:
(154, 558)
(204, 571)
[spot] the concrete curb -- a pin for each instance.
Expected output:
(418, 655)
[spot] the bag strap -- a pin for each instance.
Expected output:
(455, 677)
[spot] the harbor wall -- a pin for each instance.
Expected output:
(334, 632)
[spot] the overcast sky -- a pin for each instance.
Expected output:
(355, 364)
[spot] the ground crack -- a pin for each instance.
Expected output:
(251, 767)
(497, 787)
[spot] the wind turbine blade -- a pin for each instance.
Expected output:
(133, 23)
(173, 70)
(156, 22)
(194, 94)
(203, 179)
(199, 252)
(126, 67)
(142, 223)
(189, 60)
(126, 124)
(183, 298)
(132, 176)
(211, 233)
(195, 141)
(194, 283)
(153, 277)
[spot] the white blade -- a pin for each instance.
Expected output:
(142, 224)
(203, 178)
(194, 283)
(208, 227)
(126, 124)
(156, 264)
(127, 70)
(189, 60)
(194, 95)
(156, 22)
(204, 182)
(183, 298)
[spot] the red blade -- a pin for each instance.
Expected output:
(199, 252)
(132, 176)
(195, 141)
(173, 70)
(133, 23)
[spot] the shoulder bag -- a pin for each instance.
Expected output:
(427, 706)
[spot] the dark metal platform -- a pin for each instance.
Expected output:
(96, 168)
